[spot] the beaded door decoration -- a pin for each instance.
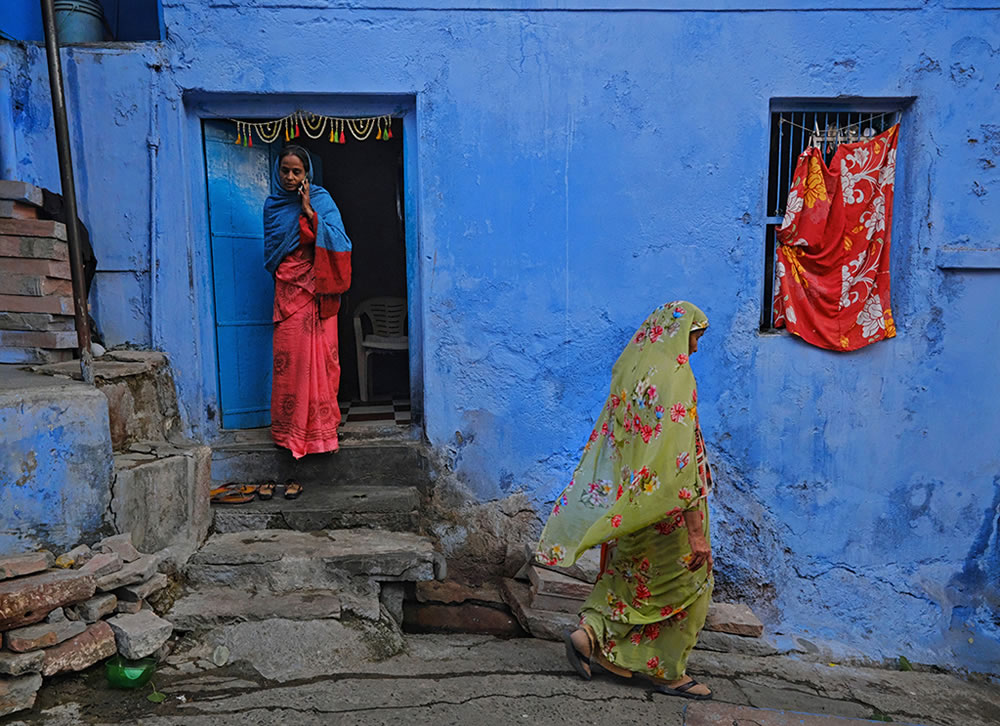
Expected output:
(315, 126)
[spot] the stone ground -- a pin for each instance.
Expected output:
(456, 679)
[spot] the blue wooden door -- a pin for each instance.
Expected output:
(239, 180)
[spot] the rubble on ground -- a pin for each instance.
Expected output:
(66, 613)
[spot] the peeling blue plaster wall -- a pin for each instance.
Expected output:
(576, 167)
(112, 143)
(55, 462)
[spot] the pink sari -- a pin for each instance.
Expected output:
(304, 409)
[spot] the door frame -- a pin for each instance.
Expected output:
(200, 107)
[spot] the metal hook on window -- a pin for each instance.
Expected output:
(833, 138)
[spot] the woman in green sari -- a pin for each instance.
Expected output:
(641, 492)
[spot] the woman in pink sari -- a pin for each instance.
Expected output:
(309, 254)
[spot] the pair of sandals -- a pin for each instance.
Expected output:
(235, 493)
(578, 660)
(292, 489)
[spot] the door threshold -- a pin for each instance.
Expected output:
(361, 423)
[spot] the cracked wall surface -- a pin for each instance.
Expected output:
(576, 169)
(55, 463)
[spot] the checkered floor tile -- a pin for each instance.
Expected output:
(369, 414)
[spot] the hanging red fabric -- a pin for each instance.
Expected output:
(833, 255)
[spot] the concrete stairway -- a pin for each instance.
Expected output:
(331, 566)
(393, 508)
(338, 593)
(367, 483)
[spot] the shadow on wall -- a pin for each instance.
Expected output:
(750, 560)
(975, 591)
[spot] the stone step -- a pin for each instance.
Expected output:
(325, 506)
(209, 607)
(285, 649)
(142, 403)
(283, 561)
(161, 493)
(457, 607)
(34, 356)
(254, 459)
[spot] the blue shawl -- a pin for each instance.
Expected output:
(281, 228)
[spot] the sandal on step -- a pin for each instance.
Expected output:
(233, 493)
(266, 490)
(292, 489)
(575, 657)
(682, 691)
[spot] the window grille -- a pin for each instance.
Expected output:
(791, 133)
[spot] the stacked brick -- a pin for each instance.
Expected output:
(547, 600)
(36, 292)
(66, 614)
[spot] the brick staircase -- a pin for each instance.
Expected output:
(36, 294)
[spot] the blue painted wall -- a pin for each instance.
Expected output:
(21, 20)
(572, 169)
(55, 462)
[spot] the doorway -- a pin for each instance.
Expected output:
(365, 179)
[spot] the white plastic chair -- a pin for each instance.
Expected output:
(387, 316)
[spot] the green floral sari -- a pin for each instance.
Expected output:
(644, 466)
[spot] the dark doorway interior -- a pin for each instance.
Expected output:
(365, 179)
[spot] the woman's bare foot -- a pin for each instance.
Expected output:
(699, 689)
(581, 641)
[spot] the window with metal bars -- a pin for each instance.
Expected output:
(793, 128)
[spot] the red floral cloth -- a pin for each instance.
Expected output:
(833, 258)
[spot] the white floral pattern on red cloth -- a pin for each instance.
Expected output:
(832, 271)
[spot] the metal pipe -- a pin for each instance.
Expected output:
(80, 312)
(8, 149)
(153, 149)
